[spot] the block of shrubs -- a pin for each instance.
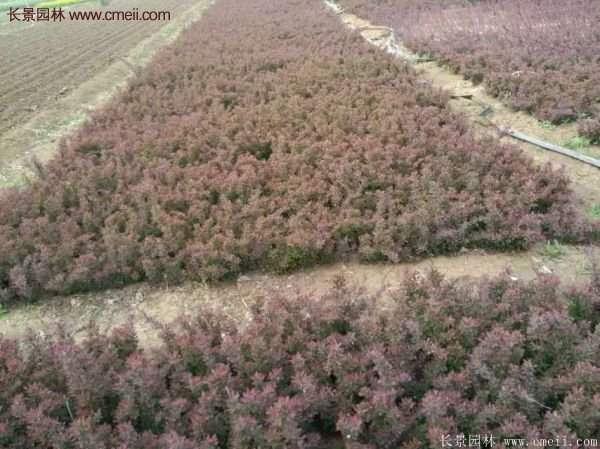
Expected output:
(268, 137)
(432, 359)
(542, 59)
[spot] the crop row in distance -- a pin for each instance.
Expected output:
(538, 59)
(268, 138)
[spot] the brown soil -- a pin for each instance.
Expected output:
(53, 74)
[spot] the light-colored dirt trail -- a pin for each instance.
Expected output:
(585, 178)
(82, 75)
(145, 304)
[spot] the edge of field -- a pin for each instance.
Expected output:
(40, 136)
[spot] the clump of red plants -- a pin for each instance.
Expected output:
(266, 137)
(539, 56)
(397, 370)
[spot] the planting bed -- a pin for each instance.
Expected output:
(42, 62)
(537, 56)
(434, 360)
(266, 137)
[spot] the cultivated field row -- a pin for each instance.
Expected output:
(44, 62)
(46, 120)
(488, 115)
(343, 369)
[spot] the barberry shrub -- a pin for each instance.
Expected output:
(590, 128)
(538, 57)
(428, 359)
(268, 137)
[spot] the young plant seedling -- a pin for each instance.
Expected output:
(577, 143)
(553, 250)
(547, 124)
(594, 212)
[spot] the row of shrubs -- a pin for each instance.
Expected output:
(431, 361)
(537, 56)
(266, 137)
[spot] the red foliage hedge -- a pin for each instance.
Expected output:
(540, 56)
(497, 357)
(266, 137)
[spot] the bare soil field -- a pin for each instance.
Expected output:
(54, 73)
(46, 60)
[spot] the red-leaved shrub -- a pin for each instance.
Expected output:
(539, 56)
(435, 358)
(590, 128)
(268, 137)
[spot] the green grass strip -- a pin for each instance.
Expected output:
(6, 5)
(58, 3)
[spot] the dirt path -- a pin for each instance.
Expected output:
(145, 305)
(585, 178)
(90, 72)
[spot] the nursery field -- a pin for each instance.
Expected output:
(279, 234)
(274, 152)
(537, 56)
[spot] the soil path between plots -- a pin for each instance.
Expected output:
(147, 305)
(471, 100)
(40, 135)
